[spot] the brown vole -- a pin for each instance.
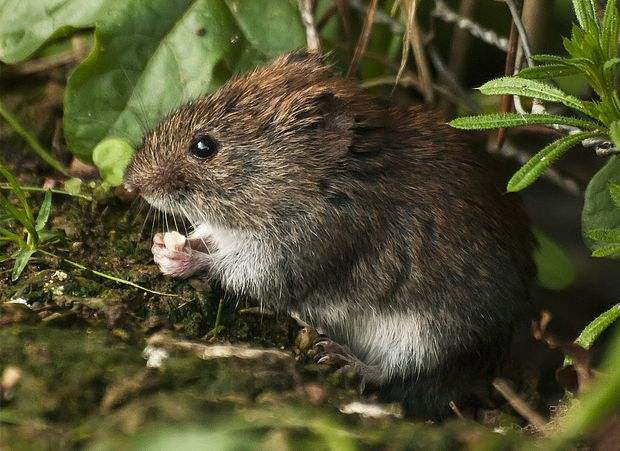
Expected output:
(377, 225)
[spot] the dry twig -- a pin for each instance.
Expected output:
(306, 9)
(362, 42)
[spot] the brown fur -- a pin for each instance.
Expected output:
(368, 216)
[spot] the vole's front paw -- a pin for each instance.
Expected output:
(174, 256)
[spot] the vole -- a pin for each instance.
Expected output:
(377, 225)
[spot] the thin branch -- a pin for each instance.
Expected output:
(520, 405)
(489, 36)
(306, 9)
(362, 42)
(32, 140)
(515, 12)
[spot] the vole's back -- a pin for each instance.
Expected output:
(379, 226)
(432, 267)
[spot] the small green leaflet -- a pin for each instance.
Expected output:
(533, 169)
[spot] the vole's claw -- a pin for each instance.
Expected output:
(331, 353)
(174, 257)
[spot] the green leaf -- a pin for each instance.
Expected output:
(44, 211)
(607, 251)
(584, 10)
(505, 120)
(111, 156)
(610, 30)
(18, 215)
(599, 210)
(530, 88)
(614, 193)
(150, 57)
(25, 25)
(609, 67)
(548, 71)
(592, 331)
(608, 235)
(555, 269)
(73, 186)
(533, 169)
(17, 190)
(21, 260)
(614, 133)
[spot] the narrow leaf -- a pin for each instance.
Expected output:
(543, 159)
(548, 71)
(609, 32)
(584, 10)
(607, 235)
(10, 236)
(506, 120)
(21, 260)
(530, 88)
(17, 214)
(592, 331)
(611, 250)
(549, 59)
(17, 189)
(44, 211)
(614, 133)
(614, 193)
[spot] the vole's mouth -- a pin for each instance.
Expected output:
(163, 204)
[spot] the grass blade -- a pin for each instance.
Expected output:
(32, 141)
(44, 211)
(531, 88)
(17, 214)
(17, 189)
(506, 120)
(21, 260)
(584, 10)
(533, 169)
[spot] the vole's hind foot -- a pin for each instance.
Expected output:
(173, 254)
(330, 353)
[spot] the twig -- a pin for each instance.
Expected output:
(447, 15)
(413, 39)
(306, 9)
(362, 42)
(509, 69)
(515, 12)
(520, 405)
(451, 81)
(380, 18)
(32, 140)
(42, 190)
(107, 276)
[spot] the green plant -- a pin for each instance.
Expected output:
(592, 50)
(34, 233)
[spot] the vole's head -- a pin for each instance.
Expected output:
(255, 150)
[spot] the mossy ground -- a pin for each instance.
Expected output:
(83, 381)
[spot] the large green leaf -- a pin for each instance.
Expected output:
(530, 88)
(150, 56)
(25, 25)
(599, 210)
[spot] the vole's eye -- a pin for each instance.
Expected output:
(203, 147)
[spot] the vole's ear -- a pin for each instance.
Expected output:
(328, 113)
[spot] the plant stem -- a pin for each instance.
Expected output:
(108, 276)
(32, 141)
(42, 190)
